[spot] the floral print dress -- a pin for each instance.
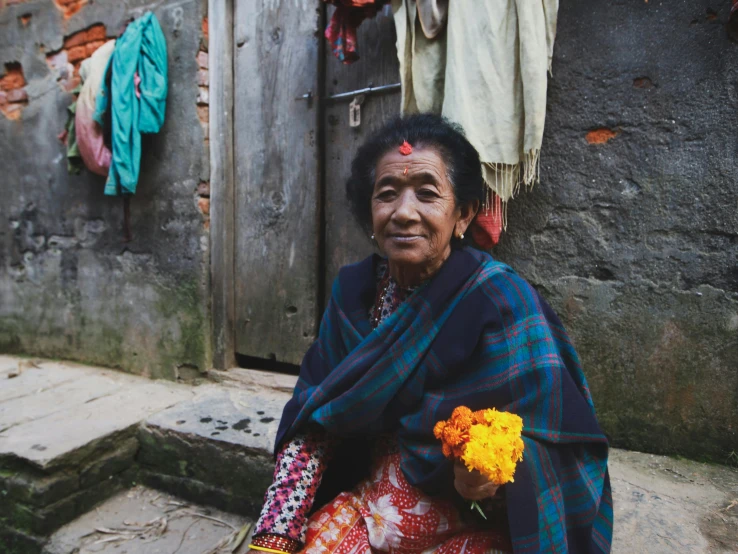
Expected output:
(387, 514)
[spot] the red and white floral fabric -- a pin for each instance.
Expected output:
(386, 514)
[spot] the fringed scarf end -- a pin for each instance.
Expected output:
(504, 180)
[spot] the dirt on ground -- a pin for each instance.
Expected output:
(666, 505)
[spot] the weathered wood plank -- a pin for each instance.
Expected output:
(220, 15)
(345, 242)
(277, 200)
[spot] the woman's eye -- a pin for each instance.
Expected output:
(385, 194)
(427, 193)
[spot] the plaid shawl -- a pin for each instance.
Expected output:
(475, 335)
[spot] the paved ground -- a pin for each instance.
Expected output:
(663, 505)
(146, 521)
(54, 413)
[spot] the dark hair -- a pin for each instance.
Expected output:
(429, 130)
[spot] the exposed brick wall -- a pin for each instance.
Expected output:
(77, 47)
(601, 135)
(82, 44)
(203, 112)
(13, 96)
(69, 7)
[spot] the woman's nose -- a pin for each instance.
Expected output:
(406, 209)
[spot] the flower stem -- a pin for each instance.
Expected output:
(476, 506)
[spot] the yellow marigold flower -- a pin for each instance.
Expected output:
(494, 453)
(503, 422)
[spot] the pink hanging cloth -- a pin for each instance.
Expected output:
(95, 154)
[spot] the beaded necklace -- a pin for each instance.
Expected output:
(389, 296)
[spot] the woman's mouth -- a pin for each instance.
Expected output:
(405, 238)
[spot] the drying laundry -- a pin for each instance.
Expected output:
(487, 71)
(136, 97)
(95, 154)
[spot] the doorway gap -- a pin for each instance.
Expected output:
(266, 364)
(322, 300)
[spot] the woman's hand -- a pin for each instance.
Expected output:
(472, 485)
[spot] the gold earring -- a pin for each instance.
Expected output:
(461, 236)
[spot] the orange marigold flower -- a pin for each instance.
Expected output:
(460, 411)
(458, 451)
(438, 429)
(452, 435)
(462, 418)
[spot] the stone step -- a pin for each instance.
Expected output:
(146, 521)
(211, 445)
(72, 436)
(217, 447)
(57, 414)
(21, 378)
(68, 439)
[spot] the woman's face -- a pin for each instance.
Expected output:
(414, 211)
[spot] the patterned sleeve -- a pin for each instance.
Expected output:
(297, 475)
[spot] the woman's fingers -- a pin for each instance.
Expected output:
(472, 478)
(472, 485)
(476, 492)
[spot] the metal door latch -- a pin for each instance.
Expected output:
(368, 91)
(308, 97)
(357, 99)
(355, 110)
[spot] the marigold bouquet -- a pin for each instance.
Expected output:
(486, 440)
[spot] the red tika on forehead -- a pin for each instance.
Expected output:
(406, 148)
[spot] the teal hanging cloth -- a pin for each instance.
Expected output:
(136, 96)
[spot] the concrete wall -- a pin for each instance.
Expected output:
(70, 287)
(633, 232)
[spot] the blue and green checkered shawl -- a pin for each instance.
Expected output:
(475, 335)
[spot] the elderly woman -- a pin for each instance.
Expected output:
(406, 338)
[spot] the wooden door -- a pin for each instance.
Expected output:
(288, 249)
(345, 242)
(277, 227)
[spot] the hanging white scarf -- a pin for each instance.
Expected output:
(487, 72)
